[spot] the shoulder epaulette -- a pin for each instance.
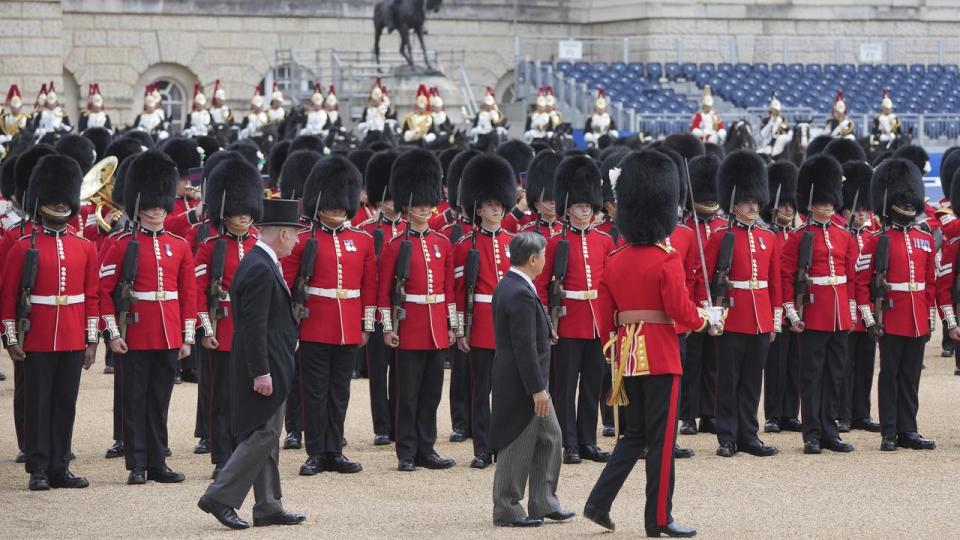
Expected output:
(357, 230)
(668, 249)
(75, 235)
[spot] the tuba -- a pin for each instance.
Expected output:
(97, 188)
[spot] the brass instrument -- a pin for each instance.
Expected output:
(97, 188)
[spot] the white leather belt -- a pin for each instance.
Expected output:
(909, 286)
(829, 280)
(425, 298)
(580, 295)
(483, 298)
(334, 293)
(156, 296)
(57, 300)
(753, 284)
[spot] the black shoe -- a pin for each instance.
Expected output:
(570, 456)
(115, 451)
(457, 436)
(791, 424)
(342, 465)
(283, 518)
(608, 431)
(167, 452)
(644, 452)
(355, 375)
(957, 372)
(165, 475)
(21, 457)
(522, 522)
(914, 441)
(67, 480)
(757, 448)
(682, 453)
(673, 530)
(688, 427)
(108, 370)
(811, 447)
(771, 426)
(560, 515)
(843, 426)
(381, 440)
(216, 472)
(189, 375)
(708, 425)
(202, 447)
(406, 465)
(947, 352)
(727, 449)
(837, 445)
(137, 477)
(177, 379)
(600, 517)
(435, 462)
(481, 461)
(313, 465)
(866, 424)
(888, 443)
(225, 515)
(292, 442)
(39, 481)
(343, 442)
(594, 453)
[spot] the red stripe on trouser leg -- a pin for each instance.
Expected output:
(666, 459)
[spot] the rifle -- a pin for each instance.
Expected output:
(804, 258)
(28, 280)
(721, 275)
(401, 273)
(218, 259)
(853, 212)
(560, 262)
(471, 273)
(775, 212)
(123, 297)
(878, 281)
(307, 262)
(378, 232)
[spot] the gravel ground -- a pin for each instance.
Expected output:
(863, 494)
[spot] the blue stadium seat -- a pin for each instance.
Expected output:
(796, 68)
(918, 69)
(635, 67)
(654, 70)
(742, 67)
(688, 70)
(866, 69)
(899, 69)
(564, 67)
(600, 67)
(814, 69)
(951, 69)
(779, 68)
(761, 68)
(724, 67)
(707, 68)
(618, 67)
(672, 70)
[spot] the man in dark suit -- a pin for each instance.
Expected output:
(261, 373)
(524, 432)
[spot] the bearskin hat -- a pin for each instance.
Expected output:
(250, 152)
(578, 181)
(446, 157)
(703, 178)
(379, 146)
(208, 144)
(646, 184)
(856, 184)
(123, 148)
(954, 187)
(745, 172)
(949, 165)
(897, 181)
(415, 179)
(295, 171)
(214, 159)
(144, 138)
(120, 182)
(541, 178)
(25, 164)
(336, 182)
(184, 152)
(101, 139)
(610, 161)
(455, 177)
(278, 154)
(713, 149)
(817, 145)
(540, 145)
(235, 186)
(81, 149)
(844, 150)
(360, 157)
(487, 178)
(152, 176)
(307, 142)
(377, 176)
(822, 176)
(678, 161)
(8, 177)
(881, 157)
(686, 144)
(55, 179)
(782, 176)
(518, 154)
(916, 155)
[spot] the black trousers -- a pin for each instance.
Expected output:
(652, 423)
(325, 374)
(51, 382)
(202, 356)
(699, 381)
(19, 408)
(578, 373)
(419, 377)
(147, 387)
(216, 380)
(822, 357)
(460, 384)
(898, 385)
(293, 420)
(481, 378)
(739, 379)
(858, 376)
(117, 395)
(781, 377)
(380, 361)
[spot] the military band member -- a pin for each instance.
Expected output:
(430, 318)
(445, 212)
(317, 117)
(198, 121)
(775, 132)
(60, 334)
(162, 315)
(360, 157)
(886, 125)
(947, 278)
(839, 125)
(418, 124)
(600, 127)
(94, 115)
(487, 189)
(908, 300)
(255, 120)
(706, 124)
(151, 120)
(919, 157)
(13, 118)
(489, 126)
(541, 194)
(51, 118)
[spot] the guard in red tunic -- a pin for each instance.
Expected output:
(481, 258)
(606, 220)
(445, 211)
(947, 266)
(58, 335)
(416, 285)
(341, 291)
(161, 317)
(520, 157)
(700, 370)
(743, 265)
(360, 157)
(642, 298)
(906, 297)
(234, 201)
(825, 311)
(781, 374)
(921, 159)
(572, 295)
(540, 194)
(187, 154)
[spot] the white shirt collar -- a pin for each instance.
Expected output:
(524, 276)
(270, 251)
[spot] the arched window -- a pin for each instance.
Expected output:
(172, 102)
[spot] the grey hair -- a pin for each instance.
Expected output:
(526, 245)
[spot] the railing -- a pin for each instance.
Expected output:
(466, 91)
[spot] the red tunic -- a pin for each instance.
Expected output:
(494, 251)
(861, 237)
(237, 248)
(545, 228)
(515, 220)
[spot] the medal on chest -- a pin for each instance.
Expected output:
(348, 245)
(922, 243)
(168, 250)
(436, 250)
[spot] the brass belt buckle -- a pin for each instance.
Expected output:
(590, 295)
(913, 286)
(431, 299)
(341, 293)
(832, 280)
(60, 300)
(161, 296)
(754, 284)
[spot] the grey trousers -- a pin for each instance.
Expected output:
(534, 454)
(253, 464)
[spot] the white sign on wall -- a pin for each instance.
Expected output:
(871, 53)
(570, 50)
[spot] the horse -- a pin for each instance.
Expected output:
(402, 15)
(740, 137)
(796, 149)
